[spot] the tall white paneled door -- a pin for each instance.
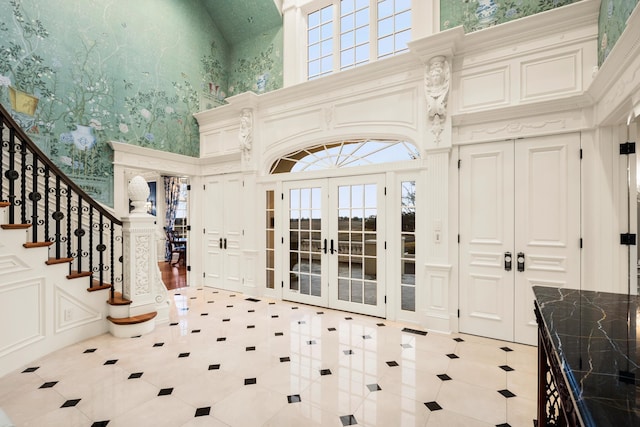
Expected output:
(223, 232)
(519, 227)
(334, 243)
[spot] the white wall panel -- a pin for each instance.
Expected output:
(391, 108)
(556, 75)
(22, 313)
(485, 89)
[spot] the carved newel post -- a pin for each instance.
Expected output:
(142, 283)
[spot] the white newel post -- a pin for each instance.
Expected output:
(142, 282)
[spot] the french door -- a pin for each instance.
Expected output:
(335, 243)
(519, 227)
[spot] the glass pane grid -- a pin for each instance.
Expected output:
(270, 246)
(408, 245)
(393, 27)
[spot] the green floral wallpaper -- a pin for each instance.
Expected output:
(478, 14)
(76, 75)
(613, 19)
(256, 64)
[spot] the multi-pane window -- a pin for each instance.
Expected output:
(394, 26)
(363, 29)
(270, 229)
(320, 42)
(180, 226)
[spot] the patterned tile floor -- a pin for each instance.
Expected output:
(228, 360)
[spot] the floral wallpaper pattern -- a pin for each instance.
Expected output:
(478, 14)
(612, 22)
(118, 70)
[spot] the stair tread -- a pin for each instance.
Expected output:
(134, 320)
(15, 226)
(4, 204)
(29, 245)
(77, 274)
(53, 261)
(118, 299)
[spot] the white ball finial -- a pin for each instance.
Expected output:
(138, 190)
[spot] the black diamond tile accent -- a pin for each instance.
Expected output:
(444, 377)
(215, 292)
(195, 331)
(294, 398)
(165, 391)
(505, 425)
(406, 345)
(311, 342)
(251, 348)
(230, 306)
(70, 403)
(366, 337)
(194, 297)
(204, 314)
(251, 311)
(203, 412)
(373, 387)
(392, 363)
(458, 340)
(452, 356)
(433, 406)
(158, 344)
(380, 324)
(325, 371)
(414, 331)
(285, 359)
(136, 336)
(279, 334)
(252, 299)
(214, 367)
(348, 420)
(232, 295)
(49, 384)
(135, 375)
(506, 368)
(251, 326)
(90, 350)
(29, 370)
(331, 329)
(274, 316)
(319, 312)
(221, 339)
(184, 354)
(272, 303)
(507, 349)
(506, 393)
(294, 308)
(301, 322)
(100, 423)
(250, 381)
(111, 362)
(210, 302)
(349, 318)
(348, 352)
(173, 324)
(226, 320)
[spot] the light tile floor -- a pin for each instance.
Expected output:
(228, 360)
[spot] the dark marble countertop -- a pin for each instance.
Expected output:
(596, 338)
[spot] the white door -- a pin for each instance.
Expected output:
(335, 243)
(519, 227)
(223, 231)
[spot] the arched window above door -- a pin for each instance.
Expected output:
(343, 154)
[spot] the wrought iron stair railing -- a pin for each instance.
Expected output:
(56, 212)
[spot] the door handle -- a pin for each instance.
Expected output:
(225, 243)
(520, 261)
(507, 261)
(325, 246)
(332, 250)
(220, 244)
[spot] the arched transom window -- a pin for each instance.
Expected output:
(350, 153)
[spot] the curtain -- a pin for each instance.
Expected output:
(172, 198)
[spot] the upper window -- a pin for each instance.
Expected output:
(356, 152)
(348, 33)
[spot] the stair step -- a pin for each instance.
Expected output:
(4, 204)
(15, 226)
(132, 320)
(53, 261)
(118, 299)
(96, 286)
(30, 245)
(77, 275)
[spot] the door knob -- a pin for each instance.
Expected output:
(520, 261)
(507, 261)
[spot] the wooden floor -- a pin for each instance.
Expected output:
(175, 276)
